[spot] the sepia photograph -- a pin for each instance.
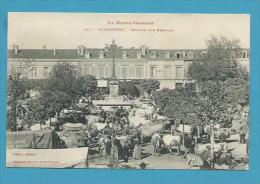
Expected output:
(128, 91)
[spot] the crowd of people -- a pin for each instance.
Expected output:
(117, 149)
(121, 140)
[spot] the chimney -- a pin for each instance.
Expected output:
(44, 47)
(81, 50)
(16, 49)
(106, 47)
(54, 52)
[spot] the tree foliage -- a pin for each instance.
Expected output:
(65, 78)
(16, 91)
(45, 107)
(150, 85)
(128, 88)
(220, 63)
(218, 86)
(61, 90)
(86, 85)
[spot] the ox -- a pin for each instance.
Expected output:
(172, 142)
(221, 154)
(194, 160)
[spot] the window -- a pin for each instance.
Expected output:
(107, 73)
(131, 71)
(166, 72)
(86, 70)
(153, 72)
(94, 71)
(244, 55)
(87, 55)
(46, 72)
(178, 85)
(124, 72)
(167, 55)
(118, 71)
(153, 54)
(139, 71)
(111, 70)
(179, 72)
(144, 50)
(101, 55)
(101, 71)
(178, 55)
(183, 53)
(34, 74)
(204, 54)
(191, 55)
(124, 55)
(139, 55)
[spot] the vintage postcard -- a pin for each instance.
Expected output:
(128, 91)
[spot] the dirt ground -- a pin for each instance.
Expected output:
(167, 160)
(164, 161)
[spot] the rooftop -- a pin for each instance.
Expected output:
(96, 53)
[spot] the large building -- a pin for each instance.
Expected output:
(168, 66)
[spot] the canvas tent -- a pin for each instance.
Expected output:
(41, 139)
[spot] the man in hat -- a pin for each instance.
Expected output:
(242, 132)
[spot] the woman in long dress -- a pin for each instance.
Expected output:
(114, 155)
(137, 148)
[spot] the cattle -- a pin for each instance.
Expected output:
(221, 154)
(172, 142)
(194, 160)
(220, 147)
(156, 143)
(200, 148)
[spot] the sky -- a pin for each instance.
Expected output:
(94, 30)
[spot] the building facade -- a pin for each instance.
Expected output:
(170, 67)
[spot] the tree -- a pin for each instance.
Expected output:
(128, 88)
(16, 91)
(150, 85)
(178, 103)
(64, 78)
(220, 63)
(218, 79)
(61, 90)
(87, 85)
(46, 106)
(236, 91)
(217, 86)
(36, 112)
